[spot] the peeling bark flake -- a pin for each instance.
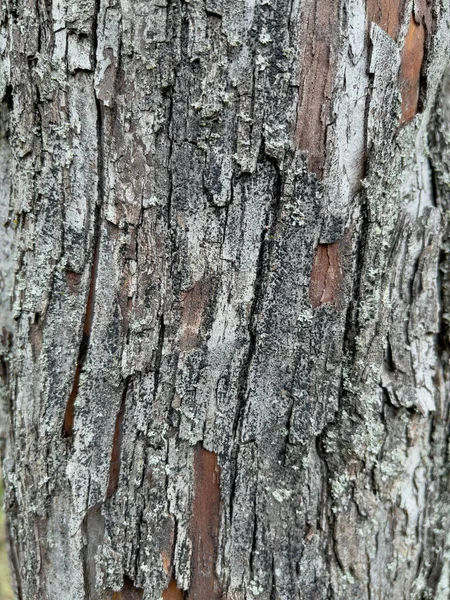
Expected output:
(317, 71)
(205, 523)
(410, 69)
(326, 275)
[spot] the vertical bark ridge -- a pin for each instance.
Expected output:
(69, 415)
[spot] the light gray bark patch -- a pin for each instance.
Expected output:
(192, 306)
(6, 223)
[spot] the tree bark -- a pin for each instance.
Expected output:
(226, 365)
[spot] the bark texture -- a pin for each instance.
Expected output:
(227, 376)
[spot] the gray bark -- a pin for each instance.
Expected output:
(226, 357)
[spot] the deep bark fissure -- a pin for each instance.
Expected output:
(69, 415)
(114, 469)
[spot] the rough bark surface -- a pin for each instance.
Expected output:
(225, 370)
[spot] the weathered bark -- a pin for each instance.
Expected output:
(228, 371)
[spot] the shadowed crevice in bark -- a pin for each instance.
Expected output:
(69, 415)
(326, 275)
(129, 591)
(205, 522)
(114, 466)
(320, 29)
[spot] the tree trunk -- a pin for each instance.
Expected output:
(228, 371)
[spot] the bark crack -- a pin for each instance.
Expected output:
(69, 415)
(114, 467)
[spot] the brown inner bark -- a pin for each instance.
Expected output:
(172, 592)
(317, 71)
(326, 275)
(193, 303)
(205, 522)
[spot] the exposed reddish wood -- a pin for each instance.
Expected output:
(128, 592)
(410, 69)
(172, 592)
(167, 561)
(326, 275)
(205, 523)
(320, 30)
(387, 14)
(193, 304)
